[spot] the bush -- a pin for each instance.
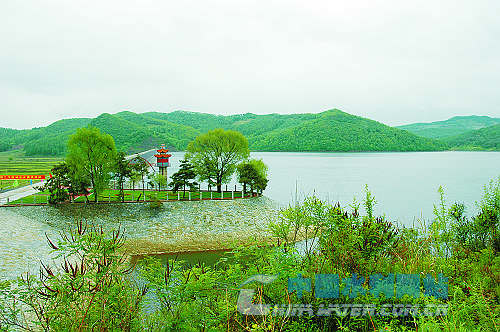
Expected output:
(481, 231)
(155, 204)
(89, 291)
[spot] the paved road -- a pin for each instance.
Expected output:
(18, 193)
(148, 155)
(25, 191)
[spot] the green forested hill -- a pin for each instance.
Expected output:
(5, 138)
(338, 131)
(332, 130)
(50, 140)
(485, 138)
(451, 127)
(136, 132)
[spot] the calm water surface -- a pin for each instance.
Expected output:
(404, 184)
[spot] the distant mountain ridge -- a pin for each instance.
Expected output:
(487, 138)
(452, 127)
(331, 130)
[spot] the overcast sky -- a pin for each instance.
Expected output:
(394, 61)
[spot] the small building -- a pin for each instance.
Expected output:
(162, 160)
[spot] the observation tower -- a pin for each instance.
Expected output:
(162, 160)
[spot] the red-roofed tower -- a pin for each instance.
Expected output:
(162, 160)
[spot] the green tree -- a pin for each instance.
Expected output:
(134, 178)
(79, 186)
(122, 171)
(246, 174)
(160, 181)
(184, 177)
(141, 168)
(260, 184)
(4, 146)
(58, 184)
(64, 184)
(253, 172)
(216, 154)
(91, 154)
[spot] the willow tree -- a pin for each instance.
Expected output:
(216, 154)
(92, 156)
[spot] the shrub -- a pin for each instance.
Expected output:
(90, 290)
(481, 231)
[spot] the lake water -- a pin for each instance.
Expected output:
(404, 184)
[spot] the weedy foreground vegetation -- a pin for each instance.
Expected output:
(93, 287)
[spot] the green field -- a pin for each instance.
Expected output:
(111, 195)
(15, 163)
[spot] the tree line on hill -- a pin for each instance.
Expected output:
(92, 161)
(487, 138)
(331, 130)
(454, 126)
(462, 132)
